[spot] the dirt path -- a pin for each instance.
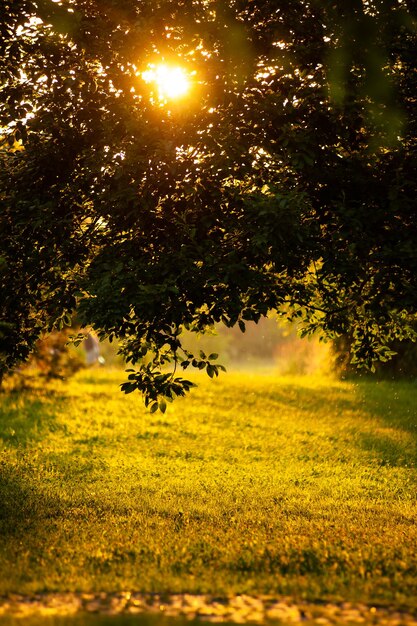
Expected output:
(237, 609)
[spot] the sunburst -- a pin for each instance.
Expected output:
(171, 81)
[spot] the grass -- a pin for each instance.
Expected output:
(301, 487)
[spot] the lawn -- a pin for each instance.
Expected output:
(254, 484)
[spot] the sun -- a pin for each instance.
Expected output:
(171, 81)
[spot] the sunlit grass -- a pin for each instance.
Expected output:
(303, 487)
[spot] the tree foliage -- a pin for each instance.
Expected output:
(286, 181)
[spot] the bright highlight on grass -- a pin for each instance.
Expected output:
(171, 82)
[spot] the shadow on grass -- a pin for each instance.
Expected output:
(24, 419)
(385, 414)
(388, 451)
(23, 507)
(394, 404)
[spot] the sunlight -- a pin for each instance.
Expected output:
(172, 82)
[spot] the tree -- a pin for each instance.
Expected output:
(286, 182)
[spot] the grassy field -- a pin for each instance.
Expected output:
(303, 487)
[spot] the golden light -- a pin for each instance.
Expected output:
(171, 82)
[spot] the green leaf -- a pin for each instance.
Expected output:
(211, 370)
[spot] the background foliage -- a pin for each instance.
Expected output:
(285, 182)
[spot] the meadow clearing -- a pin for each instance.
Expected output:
(255, 484)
